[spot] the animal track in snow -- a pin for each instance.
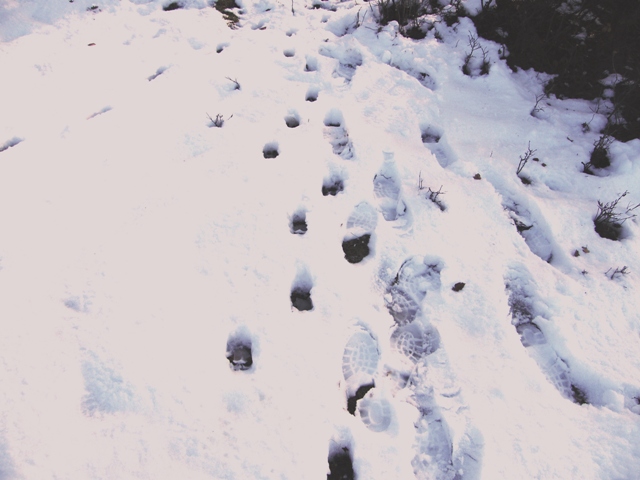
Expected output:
(360, 226)
(336, 134)
(298, 223)
(239, 351)
(289, 52)
(270, 150)
(332, 185)
(292, 120)
(312, 94)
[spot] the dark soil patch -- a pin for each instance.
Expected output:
(299, 223)
(332, 186)
(301, 299)
(356, 249)
(340, 465)
(239, 354)
(352, 402)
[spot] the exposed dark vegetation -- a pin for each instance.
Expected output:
(599, 156)
(225, 7)
(473, 65)
(522, 163)
(582, 42)
(172, 6)
(608, 222)
(408, 12)
(617, 273)
(590, 46)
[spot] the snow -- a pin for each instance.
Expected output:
(139, 243)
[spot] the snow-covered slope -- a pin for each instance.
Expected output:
(368, 319)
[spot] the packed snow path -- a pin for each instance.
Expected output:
(299, 249)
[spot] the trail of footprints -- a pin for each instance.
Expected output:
(370, 382)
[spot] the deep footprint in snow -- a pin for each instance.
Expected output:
(312, 94)
(554, 368)
(301, 291)
(340, 464)
(386, 188)
(415, 340)
(360, 226)
(521, 302)
(432, 139)
(298, 225)
(301, 299)
(530, 230)
(270, 150)
(356, 249)
(332, 185)
(337, 135)
(292, 120)
(239, 352)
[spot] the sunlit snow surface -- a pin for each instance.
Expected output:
(141, 245)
